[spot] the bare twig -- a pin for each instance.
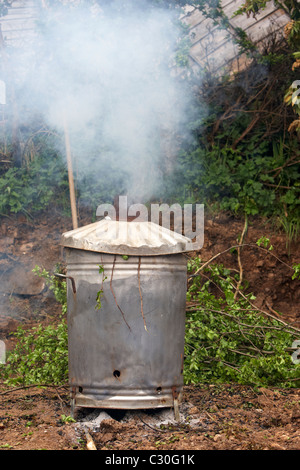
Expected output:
(216, 359)
(271, 309)
(269, 315)
(90, 444)
(247, 130)
(61, 401)
(277, 186)
(253, 245)
(210, 416)
(239, 258)
(262, 327)
(242, 353)
(151, 427)
(24, 387)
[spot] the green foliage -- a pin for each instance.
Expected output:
(294, 36)
(292, 98)
(229, 340)
(98, 182)
(296, 274)
(40, 356)
(252, 7)
(242, 181)
(226, 339)
(214, 11)
(183, 46)
(100, 292)
(67, 419)
(31, 189)
(243, 160)
(265, 242)
(43, 182)
(41, 353)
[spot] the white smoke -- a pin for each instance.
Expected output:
(110, 74)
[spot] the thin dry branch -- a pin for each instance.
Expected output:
(239, 258)
(24, 387)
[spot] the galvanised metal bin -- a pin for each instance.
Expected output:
(129, 353)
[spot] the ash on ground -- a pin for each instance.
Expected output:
(93, 420)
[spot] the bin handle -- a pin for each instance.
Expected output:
(63, 276)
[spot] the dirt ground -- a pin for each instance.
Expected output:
(217, 417)
(227, 417)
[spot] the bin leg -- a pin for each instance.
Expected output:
(72, 402)
(176, 410)
(176, 405)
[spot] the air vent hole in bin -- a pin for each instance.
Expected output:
(116, 374)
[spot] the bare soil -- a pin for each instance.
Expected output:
(213, 416)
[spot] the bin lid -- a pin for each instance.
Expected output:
(127, 238)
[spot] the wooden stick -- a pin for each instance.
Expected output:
(70, 174)
(239, 257)
(90, 444)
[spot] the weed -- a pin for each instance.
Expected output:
(100, 292)
(67, 419)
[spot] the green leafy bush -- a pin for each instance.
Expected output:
(228, 340)
(32, 189)
(41, 353)
(39, 357)
(241, 180)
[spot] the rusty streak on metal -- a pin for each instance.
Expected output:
(112, 291)
(182, 363)
(139, 278)
(176, 403)
(174, 392)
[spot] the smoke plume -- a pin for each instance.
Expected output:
(107, 75)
